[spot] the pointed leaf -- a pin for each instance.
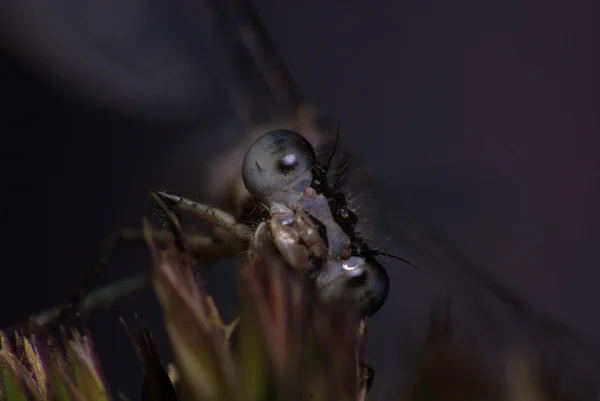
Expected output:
(251, 347)
(11, 388)
(85, 368)
(199, 343)
(66, 388)
(17, 381)
(36, 364)
(55, 361)
(156, 383)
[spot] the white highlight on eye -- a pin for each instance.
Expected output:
(290, 159)
(352, 263)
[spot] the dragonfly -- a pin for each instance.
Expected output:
(260, 94)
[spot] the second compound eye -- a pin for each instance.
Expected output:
(279, 160)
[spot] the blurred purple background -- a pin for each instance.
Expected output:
(484, 115)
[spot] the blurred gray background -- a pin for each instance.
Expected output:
(482, 116)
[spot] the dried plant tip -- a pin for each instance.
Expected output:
(448, 366)
(521, 379)
(40, 372)
(156, 383)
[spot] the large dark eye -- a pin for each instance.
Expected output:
(279, 161)
(365, 283)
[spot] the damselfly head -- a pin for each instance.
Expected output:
(278, 167)
(278, 163)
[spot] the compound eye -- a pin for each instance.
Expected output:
(364, 282)
(278, 161)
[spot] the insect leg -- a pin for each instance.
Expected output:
(205, 249)
(102, 297)
(207, 213)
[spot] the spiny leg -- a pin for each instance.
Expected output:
(233, 232)
(205, 250)
(172, 222)
(209, 214)
(103, 297)
(74, 305)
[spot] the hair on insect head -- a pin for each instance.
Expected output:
(343, 215)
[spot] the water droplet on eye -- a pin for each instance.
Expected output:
(352, 263)
(344, 213)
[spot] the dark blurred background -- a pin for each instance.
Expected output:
(484, 116)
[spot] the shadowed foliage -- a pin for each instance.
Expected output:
(284, 347)
(281, 347)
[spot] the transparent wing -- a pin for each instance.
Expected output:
(263, 94)
(177, 60)
(501, 317)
